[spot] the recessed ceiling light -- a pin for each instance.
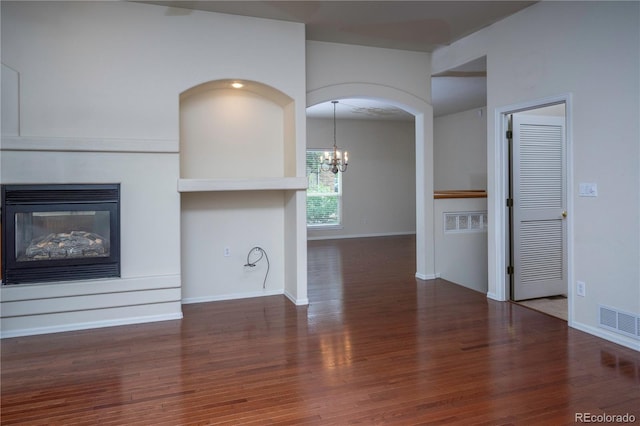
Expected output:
(237, 85)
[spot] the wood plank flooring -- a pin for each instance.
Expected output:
(375, 346)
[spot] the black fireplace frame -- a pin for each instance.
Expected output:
(59, 197)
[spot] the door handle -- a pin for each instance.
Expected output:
(564, 214)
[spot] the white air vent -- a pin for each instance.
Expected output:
(465, 222)
(620, 322)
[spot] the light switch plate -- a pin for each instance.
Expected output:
(588, 189)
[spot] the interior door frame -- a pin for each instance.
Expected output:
(499, 234)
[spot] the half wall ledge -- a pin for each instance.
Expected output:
(460, 193)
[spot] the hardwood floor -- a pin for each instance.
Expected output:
(375, 346)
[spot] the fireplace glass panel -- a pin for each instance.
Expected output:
(60, 235)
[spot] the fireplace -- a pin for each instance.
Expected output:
(60, 232)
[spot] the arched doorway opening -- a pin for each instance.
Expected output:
(423, 122)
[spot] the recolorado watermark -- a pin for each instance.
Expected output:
(604, 418)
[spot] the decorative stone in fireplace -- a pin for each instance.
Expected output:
(60, 232)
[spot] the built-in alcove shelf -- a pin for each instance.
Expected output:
(242, 184)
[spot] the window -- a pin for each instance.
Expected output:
(324, 194)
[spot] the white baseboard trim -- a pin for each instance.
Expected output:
(342, 237)
(493, 296)
(90, 325)
(606, 335)
(297, 302)
(427, 276)
(232, 296)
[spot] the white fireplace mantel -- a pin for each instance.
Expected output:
(76, 144)
(242, 184)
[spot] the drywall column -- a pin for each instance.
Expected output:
(425, 241)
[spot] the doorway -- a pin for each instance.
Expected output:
(423, 122)
(537, 208)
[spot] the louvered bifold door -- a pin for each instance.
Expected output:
(539, 203)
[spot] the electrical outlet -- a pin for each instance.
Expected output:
(581, 288)
(227, 252)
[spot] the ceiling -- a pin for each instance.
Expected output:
(407, 25)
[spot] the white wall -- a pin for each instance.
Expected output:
(331, 64)
(379, 185)
(125, 81)
(206, 228)
(87, 85)
(460, 162)
(460, 150)
(461, 257)
(589, 51)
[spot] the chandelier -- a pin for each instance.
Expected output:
(336, 161)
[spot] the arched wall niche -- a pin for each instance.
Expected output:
(230, 133)
(239, 189)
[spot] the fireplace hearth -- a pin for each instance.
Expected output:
(60, 232)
